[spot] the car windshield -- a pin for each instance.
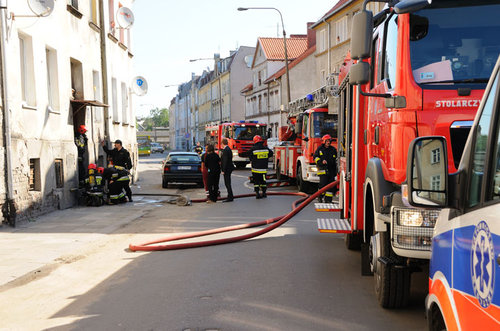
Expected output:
(324, 123)
(248, 132)
(184, 158)
(455, 45)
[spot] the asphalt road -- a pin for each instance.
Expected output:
(293, 278)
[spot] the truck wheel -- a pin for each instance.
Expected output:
(279, 176)
(240, 165)
(435, 320)
(164, 183)
(300, 181)
(392, 282)
(353, 241)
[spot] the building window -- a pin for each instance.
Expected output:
(341, 30)
(114, 101)
(52, 79)
(124, 104)
(322, 40)
(436, 183)
(96, 84)
(27, 70)
(260, 104)
(34, 179)
(58, 166)
(435, 156)
(112, 16)
(93, 12)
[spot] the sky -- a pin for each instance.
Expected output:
(168, 33)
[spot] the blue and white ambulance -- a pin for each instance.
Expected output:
(464, 275)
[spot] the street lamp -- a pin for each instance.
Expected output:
(284, 43)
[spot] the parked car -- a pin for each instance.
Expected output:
(182, 167)
(157, 148)
(464, 271)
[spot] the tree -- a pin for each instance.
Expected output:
(158, 117)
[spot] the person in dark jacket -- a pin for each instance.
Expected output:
(212, 163)
(119, 155)
(115, 187)
(259, 157)
(325, 158)
(227, 168)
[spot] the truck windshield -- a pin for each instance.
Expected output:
(248, 132)
(456, 43)
(324, 123)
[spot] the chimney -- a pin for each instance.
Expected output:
(311, 35)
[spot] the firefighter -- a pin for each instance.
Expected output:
(259, 157)
(198, 149)
(94, 187)
(81, 145)
(124, 180)
(115, 187)
(325, 158)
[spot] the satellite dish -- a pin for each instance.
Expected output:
(124, 17)
(140, 86)
(249, 60)
(41, 7)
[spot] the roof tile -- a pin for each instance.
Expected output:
(274, 50)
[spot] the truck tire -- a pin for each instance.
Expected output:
(164, 183)
(240, 165)
(353, 241)
(302, 185)
(279, 176)
(392, 282)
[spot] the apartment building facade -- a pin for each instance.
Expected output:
(71, 68)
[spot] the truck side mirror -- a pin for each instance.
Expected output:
(359, 73)
(427, 172)
(361, 37)
(298, 125)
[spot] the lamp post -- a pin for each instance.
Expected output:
(284, 44)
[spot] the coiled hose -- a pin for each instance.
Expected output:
(272, 223)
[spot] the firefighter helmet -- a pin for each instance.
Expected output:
(326, 137)
(92, 166)
(100, 170)
(257, 139)
(82, 129)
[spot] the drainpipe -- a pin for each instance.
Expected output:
(329, 45)
(9, 208)
(104, 68)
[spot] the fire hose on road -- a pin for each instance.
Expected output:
(272, 223)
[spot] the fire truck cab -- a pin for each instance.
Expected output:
(239, 135)
(464, 282)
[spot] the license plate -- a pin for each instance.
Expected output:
(184, 168)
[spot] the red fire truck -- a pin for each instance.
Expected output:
(421, 70)
(309, 120)
(239, 135)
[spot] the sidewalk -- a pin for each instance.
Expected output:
(32, 247)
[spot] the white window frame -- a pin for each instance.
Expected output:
(436, 182)
(52, 80)
(435, 156)
(114, 93)
(27, 71)
(124, 95)
(341, 33)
